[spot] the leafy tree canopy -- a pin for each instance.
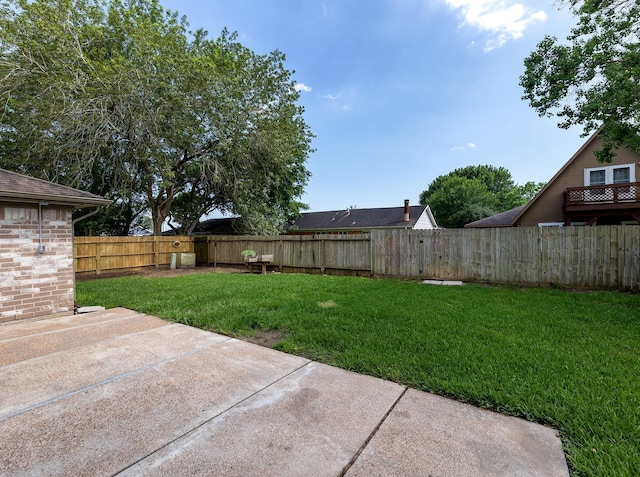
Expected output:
(593, 79)
(118, 97)
(473, 193)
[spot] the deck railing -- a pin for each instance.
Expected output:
(603, 194)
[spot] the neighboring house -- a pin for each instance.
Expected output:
(36, 245)
(583, 192)
(355, 221)
(337, 221)
(221, 226)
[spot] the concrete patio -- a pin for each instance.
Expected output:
(121, 393)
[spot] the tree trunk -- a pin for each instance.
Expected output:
(159, 212)
(157, 222)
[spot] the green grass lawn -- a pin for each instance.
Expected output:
(569, 360)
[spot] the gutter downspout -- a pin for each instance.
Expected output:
(85, 216)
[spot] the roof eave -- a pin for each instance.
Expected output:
(354, 229)
(498, 226)
(67, 201)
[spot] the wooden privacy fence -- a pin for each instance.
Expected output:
(99, 255)
(338, 254)
(591, 257)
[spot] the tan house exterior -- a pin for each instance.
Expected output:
(583, 192)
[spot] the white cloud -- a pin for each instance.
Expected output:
(504, 21)
(343, 101)
(302, 88)
(464, 148)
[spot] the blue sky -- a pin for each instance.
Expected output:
(399, 92)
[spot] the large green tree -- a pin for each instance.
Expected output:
(120, 98)
(593, 79)
(475, 192)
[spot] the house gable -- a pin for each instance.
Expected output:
(546, 208)
(426, 221)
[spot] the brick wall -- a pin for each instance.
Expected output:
(34, 284)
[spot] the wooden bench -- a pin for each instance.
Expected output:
(262, 260)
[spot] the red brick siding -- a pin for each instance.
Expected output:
(34, 284)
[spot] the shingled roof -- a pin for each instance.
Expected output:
(221, 226)
(503, 219)
(19, 188)
(351, 219)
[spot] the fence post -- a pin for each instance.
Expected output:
(98, 258)
(372, 244)
(156, 252)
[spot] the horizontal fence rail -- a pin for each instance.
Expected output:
(590, 257)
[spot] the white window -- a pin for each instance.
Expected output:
(550, 224)
(597, 177)
(621, 174)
